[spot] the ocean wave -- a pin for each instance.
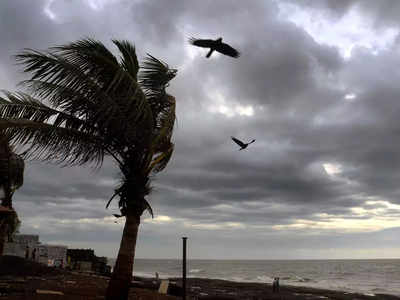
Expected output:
(153, 275)
(301, 279)
(264, 278)
(144, 274)
(332, 275)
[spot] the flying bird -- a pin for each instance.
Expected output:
(241, 144)
(215, 45)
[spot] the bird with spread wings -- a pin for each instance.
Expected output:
(241, 144)
(215, 45)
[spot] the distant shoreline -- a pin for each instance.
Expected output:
(243, 290)
(249, 259)
(19, 276)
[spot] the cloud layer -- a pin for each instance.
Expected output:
(321, 180)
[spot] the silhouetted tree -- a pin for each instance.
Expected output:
(85, 103)
(11, 178)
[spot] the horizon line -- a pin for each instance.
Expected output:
(270, 259)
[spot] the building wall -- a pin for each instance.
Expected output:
(85, 266)
(18, 246)
(46, 254)
(52, 254)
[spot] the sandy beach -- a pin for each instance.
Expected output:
(221, 289)
(22, 279)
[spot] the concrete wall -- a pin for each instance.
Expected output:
(85, 266)
(18, 246)
(52, 254)
(46, 254)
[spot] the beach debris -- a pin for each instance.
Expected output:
(4, 288)
(164, 286)
(215, 45)
(49, 292)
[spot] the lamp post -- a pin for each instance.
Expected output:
(184, 268)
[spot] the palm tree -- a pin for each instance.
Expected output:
(11, 178)
(83, 104)
(11, 171)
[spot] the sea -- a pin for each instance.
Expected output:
(368, 277)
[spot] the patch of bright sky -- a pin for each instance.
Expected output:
(215, 226)
(350, 96)
(221, 106)
(107, 182)
(361, 219)
(97, 221)
(97, 4)
(48, 11)
(344, 225)
(332, 169)
(352, 30)
(386, 204)
(158, 219)
(93, 4)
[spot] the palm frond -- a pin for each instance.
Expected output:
(112, 102)
(63, 83)
(50, 143)
(160, 162)
(85, 103)
(91, 56)
(24, 106)
(155, 75)
(85, 66)
(129, 60)
(148, 208)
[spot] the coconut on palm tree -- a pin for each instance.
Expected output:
(84, 103)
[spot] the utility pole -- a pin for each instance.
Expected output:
(184, 269)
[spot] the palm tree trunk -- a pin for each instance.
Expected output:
(3, 235)
(118, 287)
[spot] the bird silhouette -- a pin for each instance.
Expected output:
(215, 45)
(241, 144)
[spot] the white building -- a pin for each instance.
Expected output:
(51, 255)
(19, 244)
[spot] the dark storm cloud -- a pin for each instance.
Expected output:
(49, 181)
(294, 85)
(274, 72)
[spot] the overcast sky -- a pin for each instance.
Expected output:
(317, 85)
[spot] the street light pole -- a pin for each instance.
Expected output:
(184, 269)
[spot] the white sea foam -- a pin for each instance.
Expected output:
(361, 276)
(264, 278)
